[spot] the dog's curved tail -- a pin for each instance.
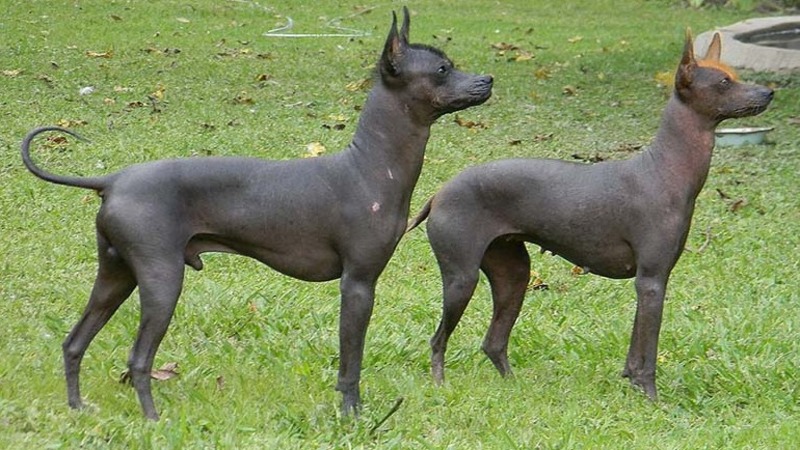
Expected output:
(420, 217)
(96, 183)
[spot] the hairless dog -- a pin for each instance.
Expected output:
(337, 216)
(618, 219)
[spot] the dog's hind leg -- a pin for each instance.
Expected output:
(507, 265)
(458, 285)
(113, 285)
(160, 283)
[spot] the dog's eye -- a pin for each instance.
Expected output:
(725, 81)
(442, 70)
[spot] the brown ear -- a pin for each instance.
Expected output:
(393, 48)
(714, 48)
(683, 77)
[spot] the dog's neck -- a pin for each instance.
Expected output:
(389, 142)
(683, 146)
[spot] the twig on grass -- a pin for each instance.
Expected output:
(708, 236)
(394, 409)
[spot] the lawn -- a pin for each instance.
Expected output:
(257, 352)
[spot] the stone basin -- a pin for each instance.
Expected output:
(767, 44)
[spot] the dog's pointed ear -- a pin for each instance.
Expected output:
(393, 49)
(404, 28)
(714, 48)
(683, 78)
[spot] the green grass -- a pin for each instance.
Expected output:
(257, 352)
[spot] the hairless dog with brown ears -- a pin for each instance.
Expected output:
(618, 219)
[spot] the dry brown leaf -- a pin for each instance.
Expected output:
(504, 46)
(578, 270)
(737, 205)
(166, 372)
(575, 39)
(12, 73)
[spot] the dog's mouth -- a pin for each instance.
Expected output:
(750, 110)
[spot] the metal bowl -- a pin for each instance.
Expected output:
(736, 137)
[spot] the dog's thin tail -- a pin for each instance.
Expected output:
(420, 217)
(96, 183)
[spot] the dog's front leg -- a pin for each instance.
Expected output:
(358, 297)
(640, 366)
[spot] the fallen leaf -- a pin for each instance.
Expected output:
(722, 194)
(542, 73)
(158, 94)
(569, 90)
(504, 47)
(314, 149)
(537, 284)
(575, 39)
(107, 54)
(136, 104)
(263, 77)
(56, 141)
(523, 55)
(220, 383)
(183, 20)
(578, 270)
(243, 99)
(737, 205)
(12, 73)
(794, 120)
(665, 79)
(116, 17)
(66, 123)
(589, 159)
(628, 147)
(468, 123)
(543, 137)
(515, 142)
(109, 101)
(360, 85)
(166, 372)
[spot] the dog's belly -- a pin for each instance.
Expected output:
(298, 260)
(607, 259)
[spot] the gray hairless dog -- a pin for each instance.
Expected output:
(338, 216)
(617, 219)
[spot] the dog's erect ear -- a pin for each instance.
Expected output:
(404, 28)
(714, 49)
(394, 47)
(683, 78)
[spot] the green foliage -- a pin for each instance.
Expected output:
(257, 352)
